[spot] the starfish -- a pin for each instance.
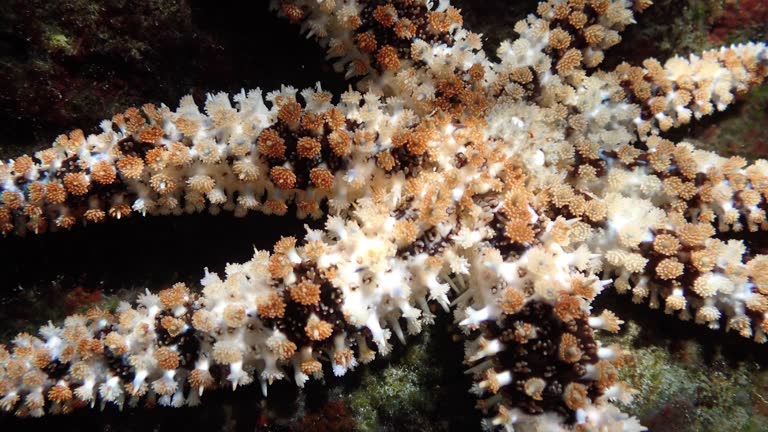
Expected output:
(509, 192)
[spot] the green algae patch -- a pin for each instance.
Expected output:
(686, 388)
(399, 392)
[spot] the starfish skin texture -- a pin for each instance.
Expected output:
(509, 193)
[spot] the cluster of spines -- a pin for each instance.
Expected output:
(680, 90)
(532, 349)
(158, 162)
(412, 49)
(686, 263)
(581, 30)
(276, 312)
(540, 359)
(373, 36)
(675, 252)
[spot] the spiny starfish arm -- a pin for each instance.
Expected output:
(574, 34)
(531, 347)
(608, 110)
(373, 38)
(255, 155)
(412, 50)
(548, 64)
(681, 89)
(336, 297)
(524, 279)
(666, 218)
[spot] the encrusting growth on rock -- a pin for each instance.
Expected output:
(511, 192)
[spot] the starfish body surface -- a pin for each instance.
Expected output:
(509, 192)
